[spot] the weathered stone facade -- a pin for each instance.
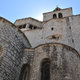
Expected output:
(65, 30)
(64, 61)
(13, 43)
(47, 50)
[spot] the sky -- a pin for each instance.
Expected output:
(18, 9)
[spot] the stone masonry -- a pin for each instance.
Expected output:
(13, 44)
(41, 50)
(65, 30)
(65, 61)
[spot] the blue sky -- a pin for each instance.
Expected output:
(17, 9)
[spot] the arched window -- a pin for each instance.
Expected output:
(54, 16)
(25, 72)
(45, 69)
(60, 15)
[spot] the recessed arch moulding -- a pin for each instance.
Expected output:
(64, 61)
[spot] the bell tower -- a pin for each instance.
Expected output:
(57, 13)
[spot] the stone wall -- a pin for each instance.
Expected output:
(12, 43)
(28, 21)
(74, 22)
(66, 29)
(64, 62)
(60, 33)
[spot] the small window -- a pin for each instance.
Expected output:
(22, 26)
(60, 15)
(35, 27)
(70, 27)
(52, 28)
(32, 26)
(54, 16)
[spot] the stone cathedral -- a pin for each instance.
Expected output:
(41, 50)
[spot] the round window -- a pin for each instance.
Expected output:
(52, 28)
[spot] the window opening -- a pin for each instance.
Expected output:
(45, 69)
(54, 16)
(35, 27)
(32, 26)
(52, 28)
(25, 72)
(60, 15)
(22, 26)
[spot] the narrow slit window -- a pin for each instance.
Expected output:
(45, 69)
(25, 72)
